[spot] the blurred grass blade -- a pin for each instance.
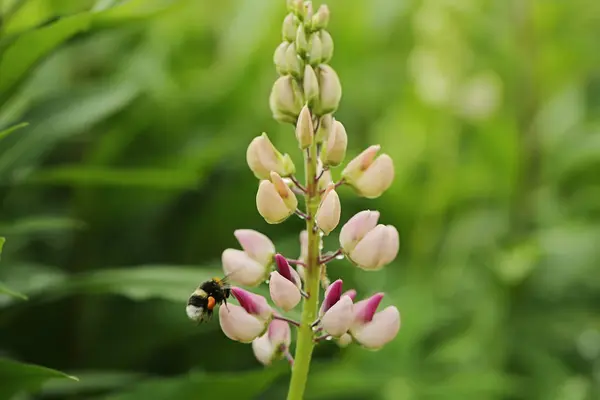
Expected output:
(10, 292)
(32, 46)
(90, 381)
(174, 283)
(239, 386)
(10, 130)
(3, 288)
(17, 377)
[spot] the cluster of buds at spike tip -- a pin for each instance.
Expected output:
(301, 60)
(306, 94)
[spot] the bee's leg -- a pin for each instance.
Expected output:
(225, 304)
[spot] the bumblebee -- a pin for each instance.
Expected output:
(206, 297)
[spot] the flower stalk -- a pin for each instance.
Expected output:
(310, 306)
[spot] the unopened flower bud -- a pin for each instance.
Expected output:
(368, 175)
(296, 7)
(345, 340)
(263, 349)
(304, 128)
(279, 60)
(295, 65)
(321, 18)
(356, 228)
(334, 152)
(328, 214)
(330, 89)
(308, 11)
(262, 158)
(325, 127)
(290, 25)
(374, 329)
(378, 248)
(311, 85)
(284, 293)
(337, 320)
(315, 52)
(368, 245)
(249, 266)
(326, 46)
(286, 100)
(274, 200)
(325, 180)
(249, 320)
(301, 41)
(271, 346)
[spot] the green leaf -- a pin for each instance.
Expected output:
(174, 283)
(90, 381)
(19, 377)
(32, 46)
(241, 386)
(5, 290)
(13, 128)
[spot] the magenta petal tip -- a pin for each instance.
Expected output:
(332, 295)
(283, 267)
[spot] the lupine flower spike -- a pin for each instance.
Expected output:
(306, 94)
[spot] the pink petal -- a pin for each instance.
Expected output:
(365, 309)
(381, 330)
(241, 268)
(338, 319)
(350, 293)
(284, 268)
(238, 325)
(252, 303)
(279, 333)
(332, 295)
(257, 245)
(263, 349)
(284, 293)
(356, 228)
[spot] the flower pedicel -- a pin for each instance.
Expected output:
(306, 95)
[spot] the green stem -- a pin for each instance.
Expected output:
(310, 306)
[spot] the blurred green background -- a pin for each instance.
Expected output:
(124, 188)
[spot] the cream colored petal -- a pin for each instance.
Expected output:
(283, 292)
(367, 252)
(257, 245)
(377, 178)
(356, 228)
(270, 205)
(337, 320)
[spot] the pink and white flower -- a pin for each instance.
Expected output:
(284, 285)
(273, 343)
(374, 329)
(249, 266)
(249, 320)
